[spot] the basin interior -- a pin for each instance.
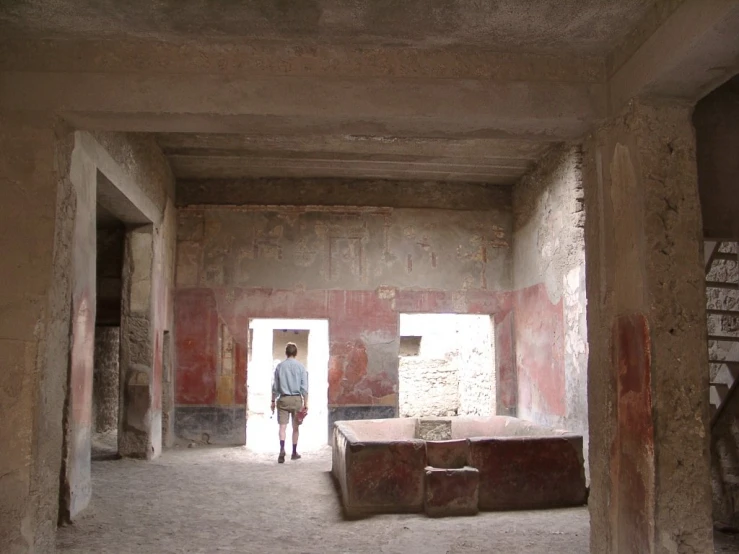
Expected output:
(400, 429)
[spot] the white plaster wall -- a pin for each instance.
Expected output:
(428, 387)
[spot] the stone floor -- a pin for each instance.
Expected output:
(208, 500)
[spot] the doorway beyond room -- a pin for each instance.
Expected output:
(267, 340)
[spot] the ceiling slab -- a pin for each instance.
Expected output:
(219, 156)
(535, 26)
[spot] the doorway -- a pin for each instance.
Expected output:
(111, 237)
(267, 340)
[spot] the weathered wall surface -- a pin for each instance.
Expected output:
(34, 348)
(428, 387)
(343, 249)
(549, 278)
(358, 267)
(716, 121)
(454, 370)
(76, 480)
(352, 193)
(106, 377)
(725, 431)
(53, 173)
(647, 367)
(112, 169)
(148, 282)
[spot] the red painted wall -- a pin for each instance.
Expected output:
(632, 450)
(196, 325)
(539, 346)
(358, 320)
(362, 372)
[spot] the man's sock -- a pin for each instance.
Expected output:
(282, 446)
(295, 448)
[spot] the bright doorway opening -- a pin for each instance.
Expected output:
(267, 340)
(447, 365)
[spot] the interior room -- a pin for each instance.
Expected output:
(504, 239)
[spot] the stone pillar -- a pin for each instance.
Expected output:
(36, 226)
(76, 479)
(106, 379)
(168, 436)
(137, 426)
(647, 368)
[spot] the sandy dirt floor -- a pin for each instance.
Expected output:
(209, 500)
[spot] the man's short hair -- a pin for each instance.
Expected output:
(291, 349)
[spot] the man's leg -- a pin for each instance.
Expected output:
(296, 434)
(283, 416)
(296, 407)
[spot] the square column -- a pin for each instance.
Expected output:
(648, 365)
(37, 228)
(139, 416)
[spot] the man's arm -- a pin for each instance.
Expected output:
(276, 385)
(304, 387)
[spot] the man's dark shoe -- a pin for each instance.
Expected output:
(281, 458)
(295, 456)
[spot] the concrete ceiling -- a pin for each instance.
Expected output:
(591, 26)
(426, 90)
(224, 156)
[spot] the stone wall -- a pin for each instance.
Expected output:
(428, 387)
(647, 367)
(106, 378)
(358, 267)
(34, 340)
(129, 177)
(54, 173)
(549, 278)
(477, 371)
(454, 370)
(725, 432)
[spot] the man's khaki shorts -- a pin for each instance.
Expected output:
(288, 406)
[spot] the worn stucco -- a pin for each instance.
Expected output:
(343, 248)
(453, 373)
(106, 378)
(549, 279)
(34, 348)
(357, 266)
(647, 368)
(54, 437)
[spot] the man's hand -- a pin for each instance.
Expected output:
(272, 406)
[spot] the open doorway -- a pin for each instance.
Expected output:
(267, 340)
(111, 237)
(447, 365)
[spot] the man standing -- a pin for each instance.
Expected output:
(290, 391)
